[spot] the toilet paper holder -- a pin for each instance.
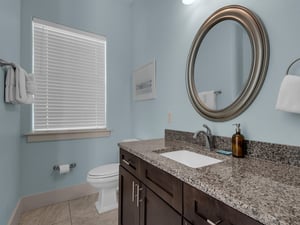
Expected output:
(56, 167)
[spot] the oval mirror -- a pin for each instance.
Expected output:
(227, 63)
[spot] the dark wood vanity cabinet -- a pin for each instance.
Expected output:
(150, 196)
(155, 211)
(139, 204)
(185, 222)
(130, 162)
(128, 209)
(202, 209)
(167, 187)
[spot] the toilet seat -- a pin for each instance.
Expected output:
(105, 171)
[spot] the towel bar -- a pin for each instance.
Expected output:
(288, 69)
(4, 63)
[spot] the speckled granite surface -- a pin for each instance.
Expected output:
(274, 152)
(266, 191)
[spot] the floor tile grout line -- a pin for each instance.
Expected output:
(69, 208)
(69, 205)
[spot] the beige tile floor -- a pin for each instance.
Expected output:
(80, 211)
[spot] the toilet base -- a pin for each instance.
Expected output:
(107, 200)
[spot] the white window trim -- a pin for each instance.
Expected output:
(39, 136)
(92, 36)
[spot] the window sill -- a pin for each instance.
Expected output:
(66, 135)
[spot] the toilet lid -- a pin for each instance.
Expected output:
(107, 170)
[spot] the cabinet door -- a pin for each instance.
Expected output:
(128, 210)
(185, 222)
(166, 186)
(154, 211)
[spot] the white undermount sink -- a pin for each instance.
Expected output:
(191, 159)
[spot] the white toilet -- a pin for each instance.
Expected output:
(105, 179)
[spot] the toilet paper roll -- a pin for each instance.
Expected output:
(63, 169)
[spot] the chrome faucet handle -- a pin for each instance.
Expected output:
(207, 136)
(208, 131)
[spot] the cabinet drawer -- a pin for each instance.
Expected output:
(200, 207)
(130, 162)
(163, 184)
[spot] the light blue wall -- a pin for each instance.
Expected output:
(105, 17)
(164, 30)
(9, 114)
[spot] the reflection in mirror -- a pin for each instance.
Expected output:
(223, 64)
(229, 55)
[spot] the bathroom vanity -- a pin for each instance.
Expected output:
(155, 190)
(148, 195)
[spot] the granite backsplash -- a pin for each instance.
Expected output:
(268, 151)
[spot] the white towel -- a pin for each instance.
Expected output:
(20, 86)
(21, 94)
(10, 89)
(209, 99)
(289, 94)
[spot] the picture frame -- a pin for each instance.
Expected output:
(144, 82)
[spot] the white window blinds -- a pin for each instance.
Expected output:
(70, 71)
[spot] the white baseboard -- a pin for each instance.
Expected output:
(42, 199)
(56, 196)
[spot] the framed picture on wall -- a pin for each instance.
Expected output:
(144, 82)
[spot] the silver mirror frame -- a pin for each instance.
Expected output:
(260, 60)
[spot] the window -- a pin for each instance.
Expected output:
(70, 71)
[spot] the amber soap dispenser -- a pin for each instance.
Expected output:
(237, 142)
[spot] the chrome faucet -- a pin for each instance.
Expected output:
(207, 136)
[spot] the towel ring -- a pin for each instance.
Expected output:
(288, 69)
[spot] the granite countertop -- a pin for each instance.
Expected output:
(266, 191)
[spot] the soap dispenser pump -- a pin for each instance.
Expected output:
(237, 142)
